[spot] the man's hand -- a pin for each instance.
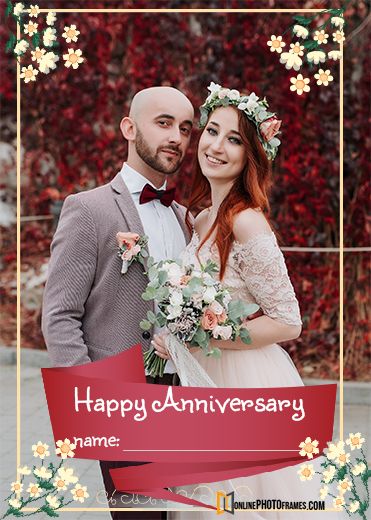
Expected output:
(159, 344)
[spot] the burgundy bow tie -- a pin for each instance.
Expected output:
(149, 193)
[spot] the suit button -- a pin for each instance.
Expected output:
(146, 334)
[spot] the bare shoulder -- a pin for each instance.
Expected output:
(248, 223)
(201, 220)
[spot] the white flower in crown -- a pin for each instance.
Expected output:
(316, 57)
(49, 36)
(51, 18)
(21, 47)
(29, 74)
(276, 44)
(334, 55)
(300, 31)
(48, 62)
(323, 77)
(37, 54)
(223, 93)
(320, 37)
(291, 60)
(34, 11)
(296, 48)
(338, 36)
(250, 104)
(337, 21)
(18, 9)
(73, 58)
(234, 95)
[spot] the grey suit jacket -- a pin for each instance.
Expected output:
(91, 310)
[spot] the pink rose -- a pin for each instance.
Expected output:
(209, 320)
(128, 239)
(269, 128)
(222, 317)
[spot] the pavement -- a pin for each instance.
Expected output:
(35, 426)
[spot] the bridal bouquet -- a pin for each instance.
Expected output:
(194, 307)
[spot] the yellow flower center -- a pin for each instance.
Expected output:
(296, 49)
(71, 33)
(17, 487)
(321, 37)
(65, 448)
(276, 44)
(73, 58)
(40, 449)
(323, 77)
(342, 457)
(344, 485)
(80, 493)
(34, 490)
(38, 54)
(308, 447)
(355, 441)
(300, 85)
(339, 501)
(306, 472)
(60, 483)
(28, 74)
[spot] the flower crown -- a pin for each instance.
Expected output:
(266, 123)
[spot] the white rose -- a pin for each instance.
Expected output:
(234, 94)
(209, 295)
(223, 93)
(174, 273)
(222, 331)
(197, 300)
(216, 307)
(226, 299)
(176, 298)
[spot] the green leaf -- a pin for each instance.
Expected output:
(9, 8)
(238, 309)
(151, 317)
(245, 336)
(302, 20)
(162, 294)
(215, 353)
(10, 44)
(36, 39)
(145, 325)
(162, 277)
(149, 294)
(152, 272)
(200, 338)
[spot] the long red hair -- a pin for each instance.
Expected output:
(250, 190)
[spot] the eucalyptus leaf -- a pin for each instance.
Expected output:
(245, 336)
(215, 353)
(151, 316)
(145, 325)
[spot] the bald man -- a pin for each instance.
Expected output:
(90, 309)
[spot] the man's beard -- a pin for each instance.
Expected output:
(153, 159)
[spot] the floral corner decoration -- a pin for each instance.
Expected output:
(47, 484)
(39, 42)
(348, 478)
(309, 45)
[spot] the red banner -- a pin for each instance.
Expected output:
(189, 435)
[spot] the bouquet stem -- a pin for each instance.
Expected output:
(153, 364)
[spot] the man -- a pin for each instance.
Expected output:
(90, 309)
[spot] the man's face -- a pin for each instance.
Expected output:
(162, 137)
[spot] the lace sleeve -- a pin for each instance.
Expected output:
(261, 265)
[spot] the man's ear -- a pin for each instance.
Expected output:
(128, 128)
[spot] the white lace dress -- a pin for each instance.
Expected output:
(256, 273)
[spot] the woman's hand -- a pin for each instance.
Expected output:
(159, 344)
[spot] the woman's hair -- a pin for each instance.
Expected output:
(250, 190)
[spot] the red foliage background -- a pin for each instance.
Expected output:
(71, 142)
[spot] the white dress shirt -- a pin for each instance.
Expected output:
(165, 236)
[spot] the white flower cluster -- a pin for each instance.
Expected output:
(45, 58)
(47, 481)
(311, 50)
(254, 108)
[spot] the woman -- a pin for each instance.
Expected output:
(234, 173)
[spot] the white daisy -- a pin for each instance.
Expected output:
(73, 58)
(296, 48)
(355, 441)
(29, 74)
(320, 37)
(299, 84)
(21, 47)
(306, 472)
(70, 33)
(338, 36)
(276, 44)
(30, 28)
(37, 54)
(323, 77)
(334, 55)
(34, 11)
(48, 62)
(51, 18)
(291, 60)
(300, 31)
(316, 57)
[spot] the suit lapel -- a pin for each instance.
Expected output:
(126, 205)
(180, 215)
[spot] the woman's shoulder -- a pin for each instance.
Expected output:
(201, 220)
(249, 223)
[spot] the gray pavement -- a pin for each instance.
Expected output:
(35, 426)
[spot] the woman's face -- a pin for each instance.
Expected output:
(221, 152)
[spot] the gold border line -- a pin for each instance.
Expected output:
(341, 244)
(341, 240)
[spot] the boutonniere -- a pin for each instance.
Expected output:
(132, 248)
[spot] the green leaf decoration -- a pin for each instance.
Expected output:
(149, 294)
(200, 338)
(36, 39)
(10, 44)
(9, 8)
(145, 325)
(238, 309)
(302, 20)
(245, 336)
(215, 353)
(151, 317)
